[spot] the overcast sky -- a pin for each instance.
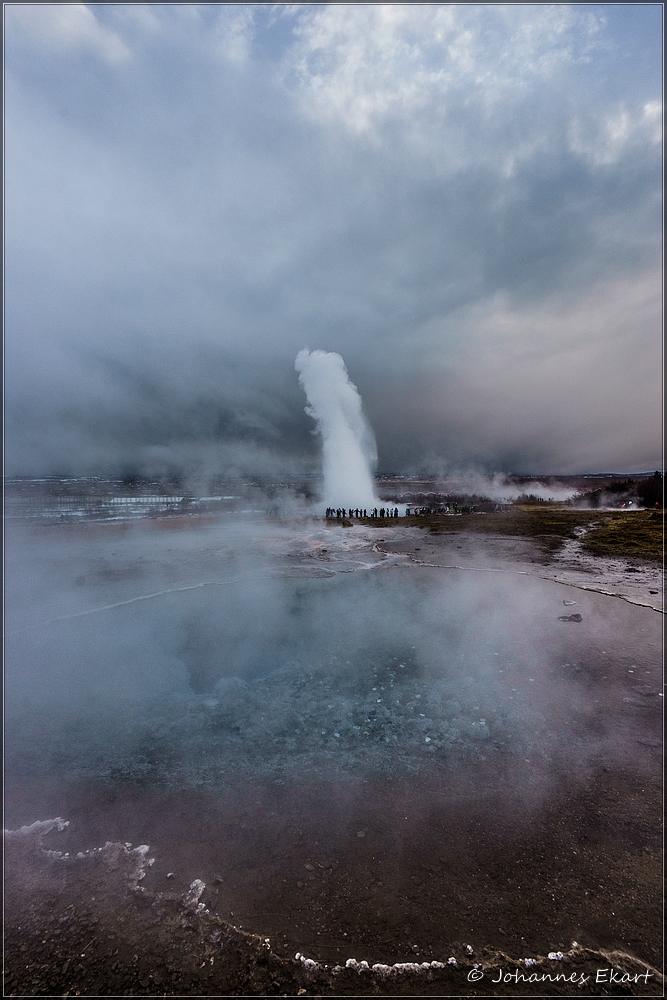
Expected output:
(463, 201)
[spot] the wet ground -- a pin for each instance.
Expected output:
(494, 786)
(633, 579)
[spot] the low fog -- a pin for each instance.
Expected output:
(202, 655)
(198, 647)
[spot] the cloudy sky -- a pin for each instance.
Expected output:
(463, 201)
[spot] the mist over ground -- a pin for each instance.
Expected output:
(462, 201)
(339, 736)
(205, 650)
(332, 669)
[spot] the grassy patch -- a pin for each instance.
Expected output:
(635, 535)
(632, 534)
(548, 525)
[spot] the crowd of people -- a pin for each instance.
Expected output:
(340, 513)
(344, 512)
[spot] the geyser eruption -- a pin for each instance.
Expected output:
(348, 443)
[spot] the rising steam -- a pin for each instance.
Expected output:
(348, 443)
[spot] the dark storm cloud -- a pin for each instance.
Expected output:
(450, 197)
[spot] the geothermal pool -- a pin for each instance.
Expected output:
(358, 756)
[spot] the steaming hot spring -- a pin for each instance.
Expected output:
(366, 743)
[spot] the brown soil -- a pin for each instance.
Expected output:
(438, 868)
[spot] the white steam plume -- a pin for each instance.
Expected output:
(502, 489)
(348, 443)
